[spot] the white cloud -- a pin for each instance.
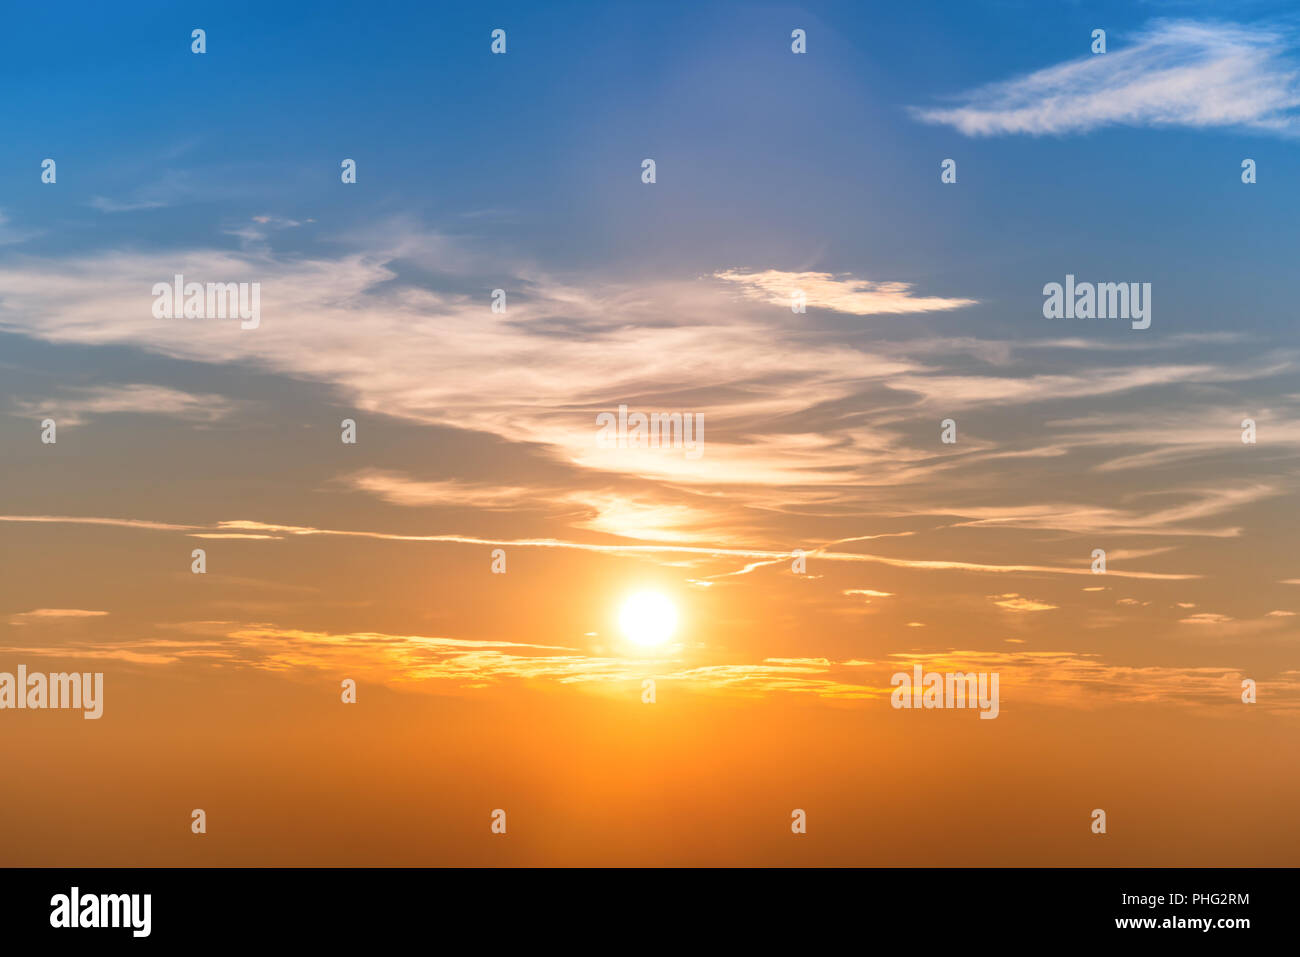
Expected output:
(1175, 73)
(76, 404)
(538, 376)
(859, 297)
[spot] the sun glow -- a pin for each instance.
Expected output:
(648, 619)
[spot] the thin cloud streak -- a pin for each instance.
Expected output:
(1173, 74)
(768, 556)
(75, 406)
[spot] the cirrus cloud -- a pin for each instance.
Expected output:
(1174, 74)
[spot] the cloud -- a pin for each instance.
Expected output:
(538, 375)
(801, 419)
(592, 509)
(764, 556)
(1014, 602)
(280, 222)
(859, 297)
(1234, 631)
(941, 389)
(1196, 430)
(60, 613)
(438, 663)
(172, 188)
(399, 489)
(1178, 519)
(646, 520)
(76, 404)
(1205, 618)
(1084, 680)
(91, 520)
(234, 535)
(1173, 74)
(46, 614)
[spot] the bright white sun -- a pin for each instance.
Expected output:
(648, 619)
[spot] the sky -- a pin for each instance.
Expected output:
(776, 174)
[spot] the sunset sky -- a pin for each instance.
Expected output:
(477, 431)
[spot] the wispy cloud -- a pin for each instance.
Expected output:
(1087, 681)
(764, 556)
(73, 406)
(400, 489)
(593, 509)
(54, 614)
(858, 297)
(539, 374)
(1012, 601)
(1184, 518)
(92, 520)
(851, 438)
(1174, 73)
(433, 663)
(175, 186)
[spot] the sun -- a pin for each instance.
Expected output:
(648, 619)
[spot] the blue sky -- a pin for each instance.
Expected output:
(765, 159)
